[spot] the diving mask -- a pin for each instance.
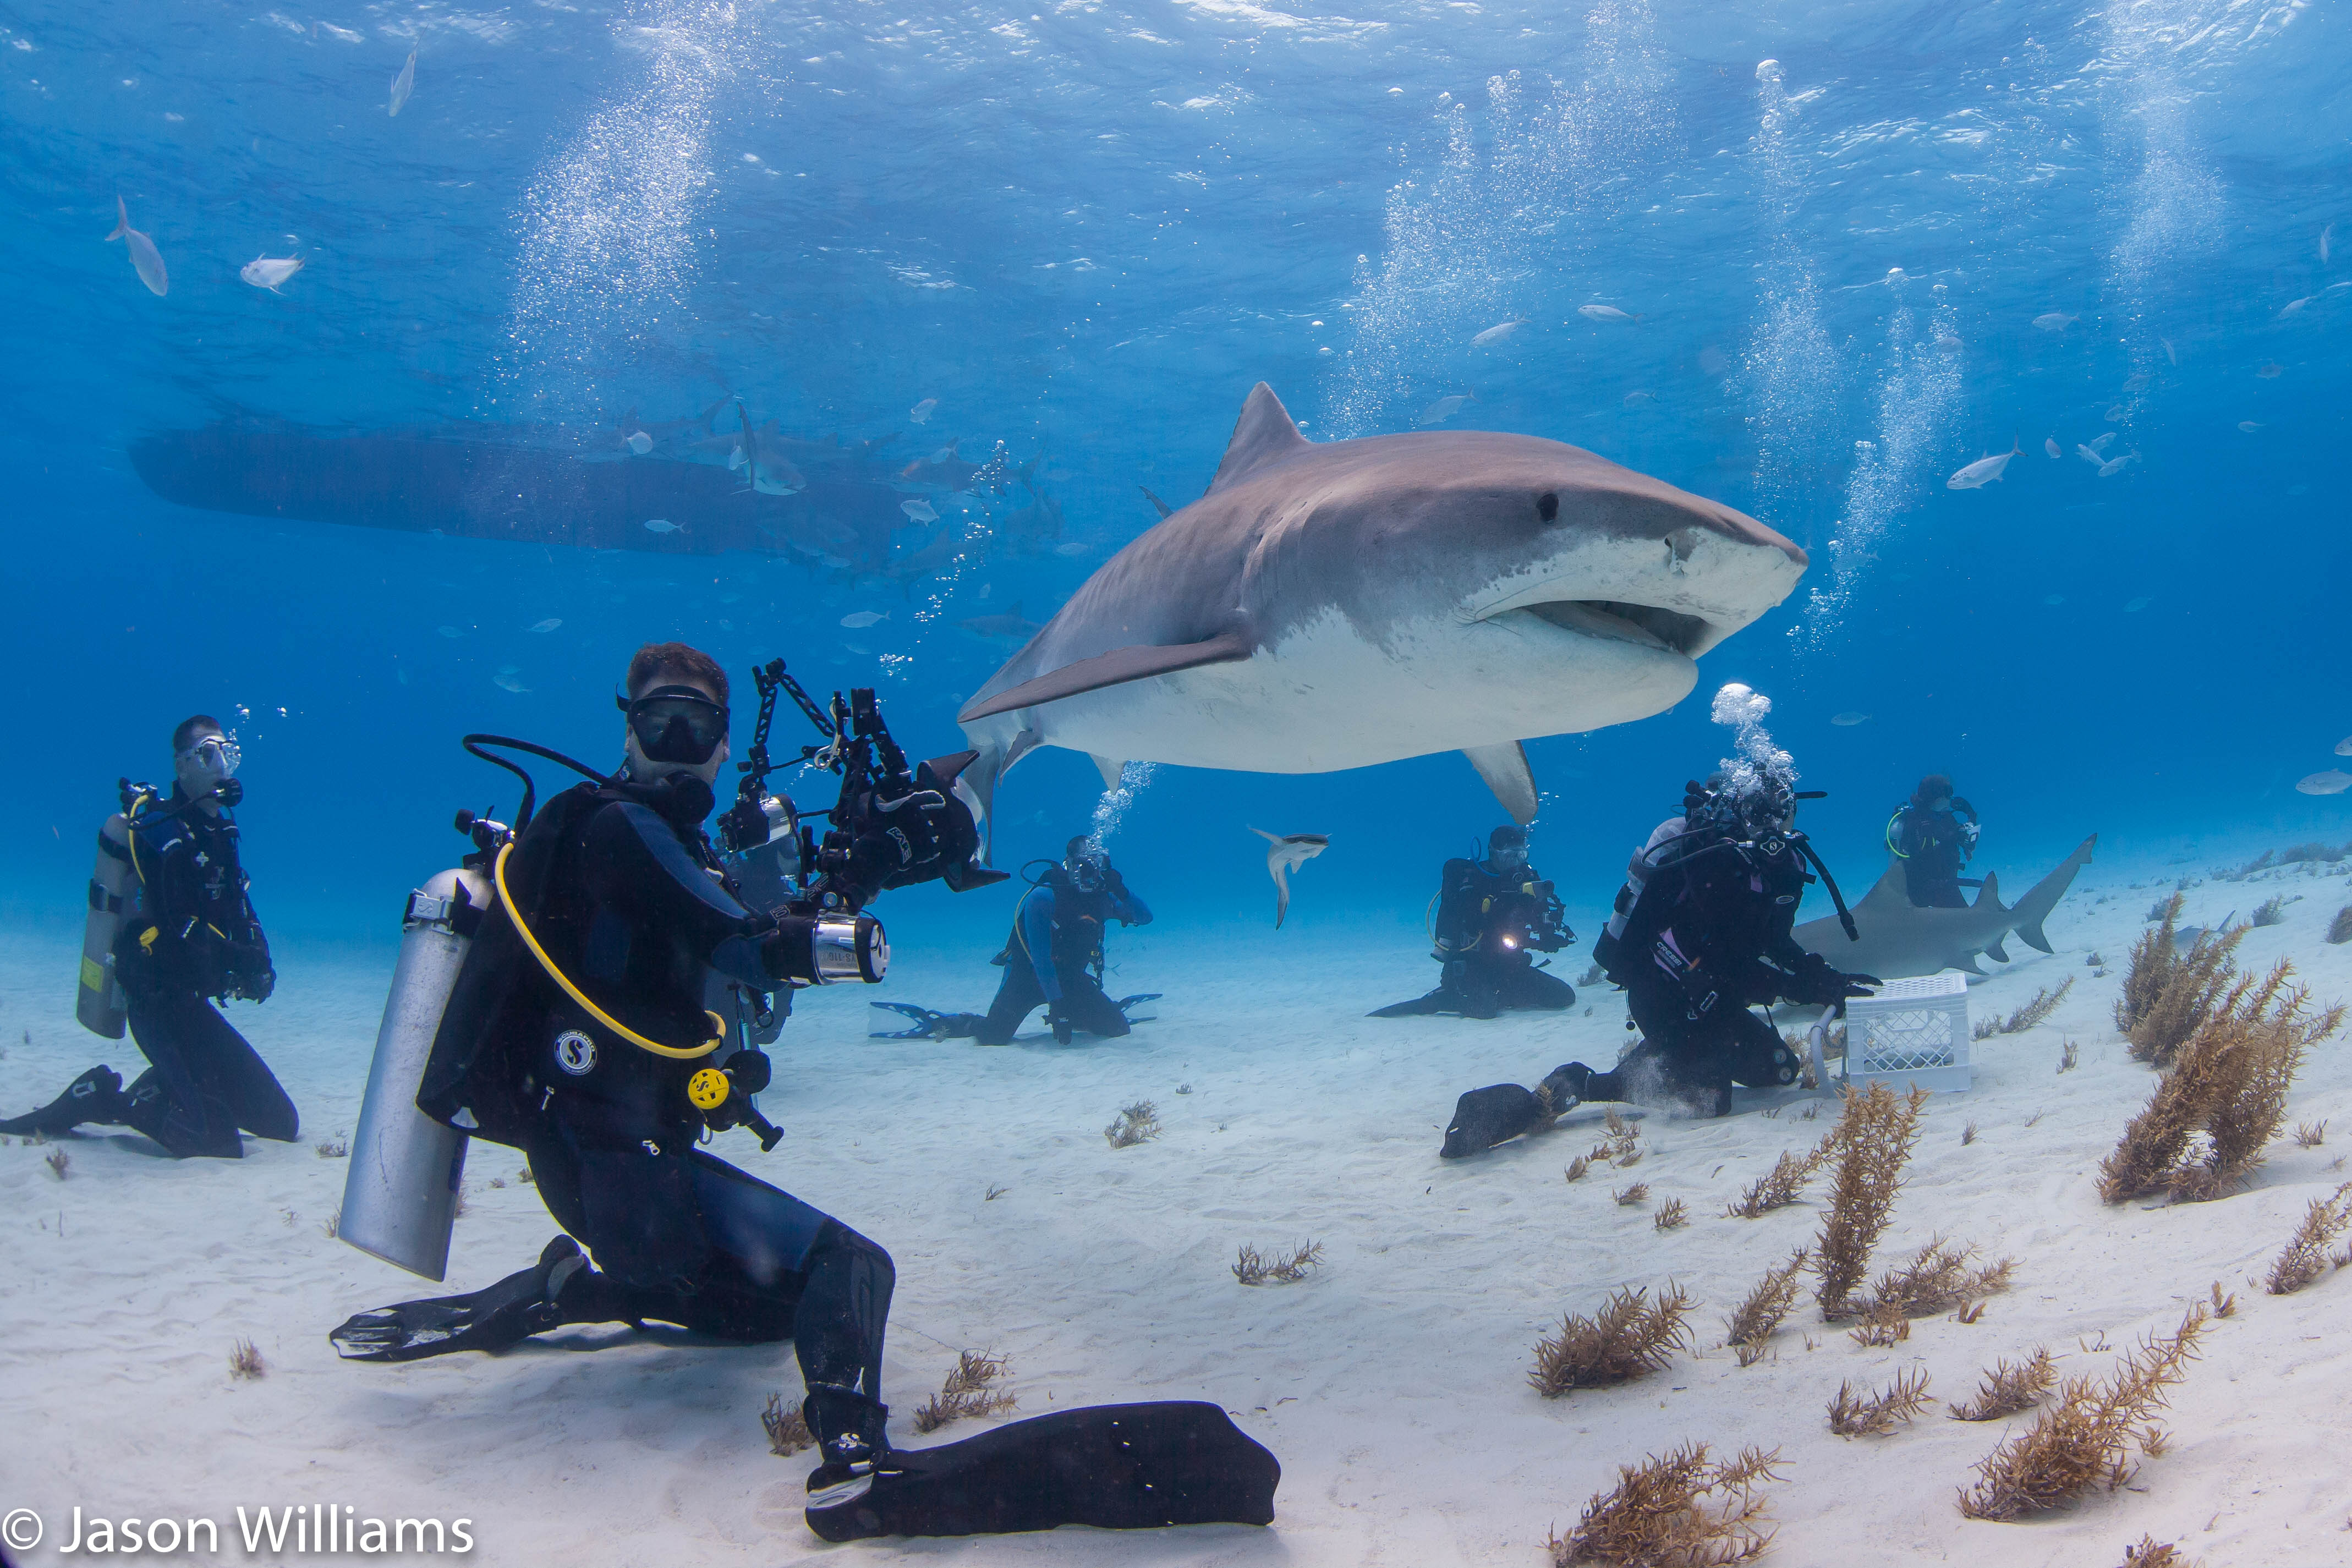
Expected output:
(1090, 870)
(675, 724)
(209, 762)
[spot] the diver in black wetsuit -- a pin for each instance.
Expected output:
(1492, 917)
(188, 938)
(1707, 939)
(1054, 958)
(1932, 834)
(620, 889)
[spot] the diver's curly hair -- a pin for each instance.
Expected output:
(656, 659)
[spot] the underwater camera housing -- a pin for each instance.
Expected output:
(1531, 917)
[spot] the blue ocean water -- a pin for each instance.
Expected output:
(1858, 247)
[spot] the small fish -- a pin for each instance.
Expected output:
(2325, 236)
(859, 620)
(2344, 747)
(404, 84)
(944, 455)
(2135, 606)
(2334, 781)
(2116, 465)
(2271, 372)
(2137, 383)
(2168, 354)
(1496, 333)
(2115, 413)
(267, 272)
(510, 670)
(921, 412)
(2102, 444)
(1444, 408)
(641, 442)
(2055, 320)
(2050, 445)
(661, 525)
(1072, 549)
(548, 624)
(1604, 314)
(921, 510)
(1847, 721)
(2053, 600)
(1284, 854)
(449, 631)
(1983, 471)
(2248, 425)
(2294, 307)
(1009, 627)
(507, 680)
(1640, 396)
(851, 646)
(2090, 455)
(145, 259)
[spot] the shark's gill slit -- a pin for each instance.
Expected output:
(1613, 617)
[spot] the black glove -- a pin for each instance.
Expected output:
(1815, 983)
(1062, 1029)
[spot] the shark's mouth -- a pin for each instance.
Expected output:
(1670, 631)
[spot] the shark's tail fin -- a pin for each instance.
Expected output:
(123, 222)
(2035, 907)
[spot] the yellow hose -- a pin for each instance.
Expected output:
(676, 1053)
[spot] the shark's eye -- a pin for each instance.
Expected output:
(1548, 507)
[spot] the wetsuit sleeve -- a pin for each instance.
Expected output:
(1126, 907)
(1037, 936)
(635, 863)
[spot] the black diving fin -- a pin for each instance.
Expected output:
(1138, 1000)
(929, 1025)
(1114, 1467)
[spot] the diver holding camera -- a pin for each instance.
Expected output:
(1492, 917)
(579, 1027)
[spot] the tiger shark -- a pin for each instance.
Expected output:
(1893, 938)
(1334, 604)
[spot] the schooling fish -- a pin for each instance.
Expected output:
(404, 84)
(1006, 627)
(921, 412)
(507, 681)
(2294, 307)
(2050, 445)
(2324, 235)
(2055, 320)
(2268, 373)
(2344, 747)
(2248, 426)
(1496, 334)
(267, 272)
(2334, 781)
(1605, 313)
(1284, 855)
(145, 258)
(1444, 408)
(1847, 721)
(921, 510)
(1073, 549)
(2116, 465)
(641, 442)
(862, 619)
(548, 624)
(2115, 413)
(2090, 455)
(1983, 471)
(2135, 606)
(2137, 383)
(661, 525)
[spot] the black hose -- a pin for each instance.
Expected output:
(474, 743)
(1845, 916)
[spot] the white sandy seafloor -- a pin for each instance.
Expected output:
(1392, 1383)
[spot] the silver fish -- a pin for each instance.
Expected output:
(548, 624)
(1496, 334)
(1605, 313)
(2050, 445)
(145, 259)
(1444, 408)
(661, 525)
(2055, 320)
(921, 510)
(269, 272)
(859, 620)
(1847, 721)
(2334, 781)
(1983, 471)
(921, 412)
(404, 84)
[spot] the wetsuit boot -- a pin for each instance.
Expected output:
(96, 1096)
(851, 1435)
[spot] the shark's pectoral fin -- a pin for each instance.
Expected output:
(1994, 951)
(1281, 893)
(1504, 768)
(1116, 668)
(976, 787)
(1109, 767)
(1969, 962)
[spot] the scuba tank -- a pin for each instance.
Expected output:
(400, 1198)
(100, 1003)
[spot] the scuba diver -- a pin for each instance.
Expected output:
(1054, 958)
(577, 1032)
(1492, 917)
(171, 930)
(1702, 936)
(1932, 834)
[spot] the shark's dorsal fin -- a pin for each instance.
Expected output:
(1263, 434)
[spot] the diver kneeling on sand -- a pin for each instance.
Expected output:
(1701, 936)
(170, 932)
(577, 1030)
(1492, 917)
(1053, 957)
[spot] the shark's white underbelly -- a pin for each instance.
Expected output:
(1325, 697)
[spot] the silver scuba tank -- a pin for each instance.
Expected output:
(400, 1197)
(100, 1003)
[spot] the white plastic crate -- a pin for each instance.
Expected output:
(1914, 1031)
